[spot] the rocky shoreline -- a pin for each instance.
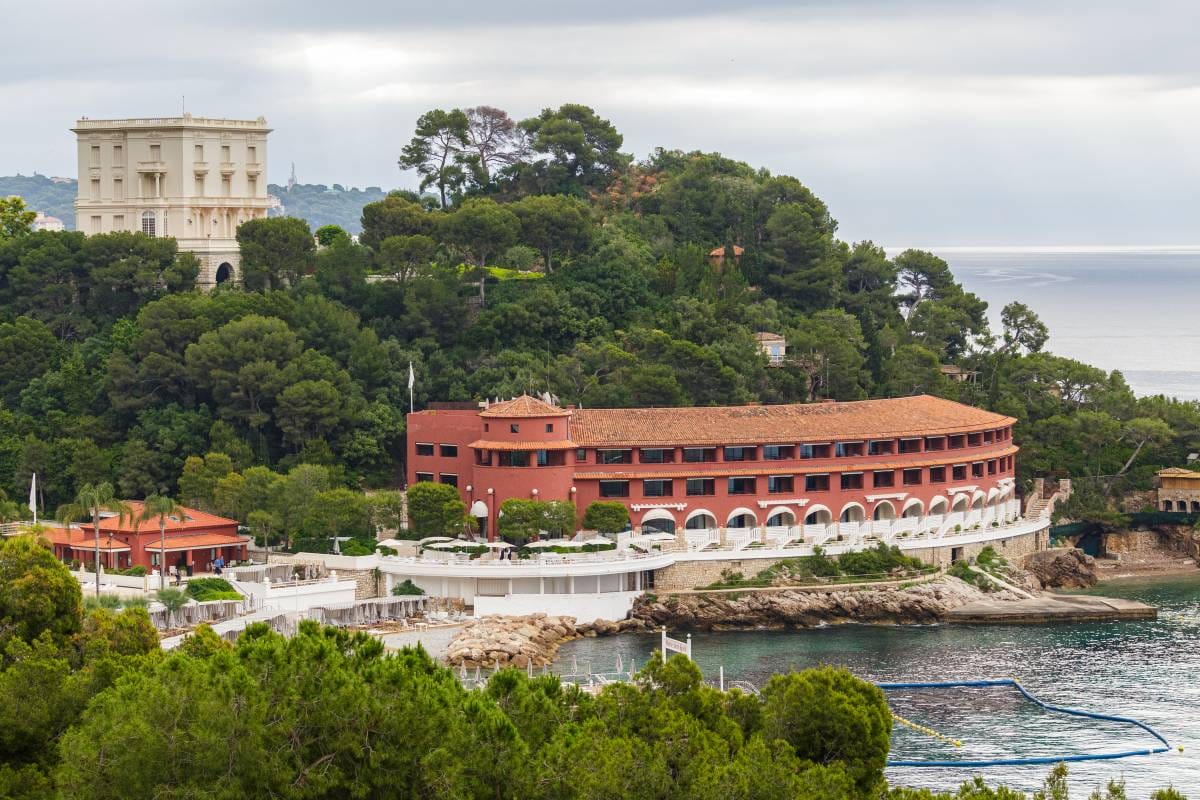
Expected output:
(531, 640)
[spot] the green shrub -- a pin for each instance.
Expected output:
(202, 589)
(136, 571)
(407, 587)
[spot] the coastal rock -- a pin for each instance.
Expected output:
(1062, 567)
(923, 603)
(509, 641)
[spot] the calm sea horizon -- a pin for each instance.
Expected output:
(1118, 308)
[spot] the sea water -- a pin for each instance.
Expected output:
(1149, 670)
(1129, 309)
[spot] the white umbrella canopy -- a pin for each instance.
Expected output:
(597, 540)
(659, 536)
(539, 544)
(500, 545)
(450, 544)
(431, 539)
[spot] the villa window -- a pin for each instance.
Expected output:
(780, 484)
(657, 488)
(424, 477)
(580, 455)
(657, 456)
(695, 455)
(148, 223)
(776, 452)
(977, 469)
(549, 427)
(814, 451)
(449, 479)
(883, 479)
(912, 477)
(881, 447)
(974, 439)
(739, 453)
(514, 458)
(910, 445)
(816, 483)
(543, 458)
(614, 488)
(933, 443)
(424, 449)
(937, 474)
(848, 449)
(742, 485)
(959, 472)
(957, 442)
(701, 487)
(852, 480)
(514, 428)
(989, 437)
(615, 456)
(991, 467)
(448, 450)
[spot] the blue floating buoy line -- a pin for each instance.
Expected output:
(1029, 760)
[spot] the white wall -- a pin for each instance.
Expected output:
(300, 596)
(611, 606)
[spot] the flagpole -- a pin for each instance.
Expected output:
(33, 497)
(412, 379)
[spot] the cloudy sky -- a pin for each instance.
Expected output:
(930, 123)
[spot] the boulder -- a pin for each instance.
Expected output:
(1062, 567)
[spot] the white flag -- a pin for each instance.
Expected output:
(33, 496)
(412, 377)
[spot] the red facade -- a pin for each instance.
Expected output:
(739, 467)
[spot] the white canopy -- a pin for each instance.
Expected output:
(500, 545)
(450, 544)
(478, 509)
(659, 536)
(596, 540)
(431, 539)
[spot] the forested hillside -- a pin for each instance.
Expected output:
(111, 367)
(53, 197)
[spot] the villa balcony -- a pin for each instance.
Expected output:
(228, 167)
(200, 168)
(254, 168)
(151, 167)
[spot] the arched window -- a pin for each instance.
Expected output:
(148, 223)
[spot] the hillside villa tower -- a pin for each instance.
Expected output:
(192, 178)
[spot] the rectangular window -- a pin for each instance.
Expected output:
(992, 467)
(424, 449)
(957, 442)
(880, 447)
(910, 445)
(937, 474)
(989, 437)
(96, 225)
(118, 222)
(814, 451)
(95, 190)
(156, 152)
(884, 479)
(424, 477)
(543, 458)
(549, 427)
(614, 456)
(694, 455)
(199, 186)
(118, 155)
(977, 469)
(449, 479)
(657, 456)
(514, 428)
(701, 487)
(614, 488)
(448, 450)
(974, 439)
(816, 483)
(912, 477)
(514, 458)
(252, 154)
(226, 190)
(959, 472)
(580, 456)
(95, 155)
(777, 452)
(739, 453)
(225, 152)
(780, 484)
(657, 488)
(252, 191)
(933, 443)
(118, 189)
(852, 480)
(741, 485)
(198, 152)
(849, 449)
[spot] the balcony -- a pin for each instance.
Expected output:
(228, 167)
(254, 168)
(151, 167)
(200, 168)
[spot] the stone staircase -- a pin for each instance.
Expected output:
(1043, 499)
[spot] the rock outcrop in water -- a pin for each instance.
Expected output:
(1062, 568)
(923, 603)
(521, 641)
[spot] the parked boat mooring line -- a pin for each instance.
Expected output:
(1028, 760)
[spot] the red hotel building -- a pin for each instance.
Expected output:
(919, 464)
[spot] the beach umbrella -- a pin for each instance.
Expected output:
(500, 545)
(539, 544)
(659, 536)
(431, 539)
(596, 540)
(450, 544)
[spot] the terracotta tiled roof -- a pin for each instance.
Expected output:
(199, 540)
(720, 251)
(766, 336)
(1177, 472)
(521, 408)
(188, 519)
(804, 422)
(486, 444)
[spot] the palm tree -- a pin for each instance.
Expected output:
(89, 501)
(160, 506)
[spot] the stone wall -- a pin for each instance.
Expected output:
(367, 585)
(693, 574)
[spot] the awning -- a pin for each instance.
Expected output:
(478, 509)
